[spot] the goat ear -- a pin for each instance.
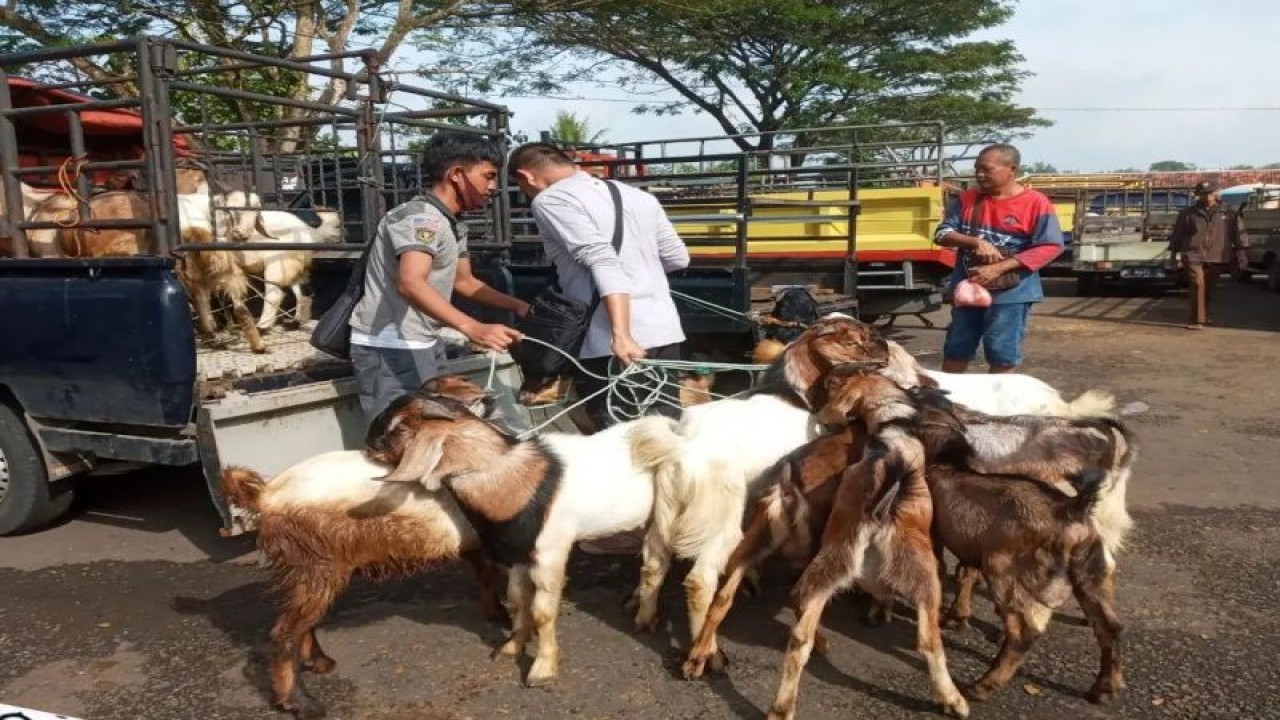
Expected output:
(418, 463)
(433, 408)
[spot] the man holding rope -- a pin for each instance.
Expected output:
(575, 212)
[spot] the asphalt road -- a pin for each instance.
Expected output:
(135, 608)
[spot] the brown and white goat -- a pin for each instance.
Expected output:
(877, 536)
(529, 501)
(327, 518)
(1032, 543)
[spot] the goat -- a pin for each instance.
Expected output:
(1031, 542)
(1054, 450)
(529, 501)
(708, 466)
(877, 536)
(999, 394)
(327, 518)
(286, 268)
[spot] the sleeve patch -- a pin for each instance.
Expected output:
(424, 227)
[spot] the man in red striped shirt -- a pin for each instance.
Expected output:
(1003, 234)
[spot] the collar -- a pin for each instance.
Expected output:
(431, 199)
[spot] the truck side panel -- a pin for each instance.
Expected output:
(105, 340)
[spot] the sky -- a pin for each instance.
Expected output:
(1084, 54)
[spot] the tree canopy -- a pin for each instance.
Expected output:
(1171, 166)
(769, 65)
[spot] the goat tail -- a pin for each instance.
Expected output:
(1092, 403)
(242, 487)
(654, 442)
(1110, 515)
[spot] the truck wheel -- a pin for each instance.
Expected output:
(27, 501)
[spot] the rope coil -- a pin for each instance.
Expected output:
(640, 385)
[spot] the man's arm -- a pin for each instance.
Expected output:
(671, 249)
(949, 235)
(413, 269)
(466, 284)
(1179, 236)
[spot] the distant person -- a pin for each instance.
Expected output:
(419, 259)
(1003, 234)
(1205, 240)
(637, 317)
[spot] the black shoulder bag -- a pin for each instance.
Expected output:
(558, 319)
(333, 330)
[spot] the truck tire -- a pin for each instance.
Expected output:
(27, 500)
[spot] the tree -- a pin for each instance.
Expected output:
(570, 129)
(1171, 166)
(275, 28)
(770, 65)
(1039, 167)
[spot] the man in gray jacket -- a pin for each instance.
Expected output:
(575, 216)
(419, 259)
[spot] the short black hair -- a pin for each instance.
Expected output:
(1008, 152)
(536, 155)
(448, 148)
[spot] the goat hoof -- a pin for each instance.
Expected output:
(304, 708)
(646, 625)
(509, 649)
(1103, 692)
(956, 707)
(956, 623)
(540, 675)
(322, 665)
(694, 668)
(979, 691)
(718, 663)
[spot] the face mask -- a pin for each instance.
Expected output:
(471, 197)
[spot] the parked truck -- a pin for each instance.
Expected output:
(100, 363)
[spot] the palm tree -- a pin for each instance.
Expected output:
(569, 129)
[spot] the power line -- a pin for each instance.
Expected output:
(1157, 109)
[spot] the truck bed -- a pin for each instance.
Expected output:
(289, 353)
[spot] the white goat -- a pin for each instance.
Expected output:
(999, 394)
(529, 501)
(286, 268)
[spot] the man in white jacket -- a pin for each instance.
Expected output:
(575, 215)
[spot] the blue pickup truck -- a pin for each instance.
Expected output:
(100, 363)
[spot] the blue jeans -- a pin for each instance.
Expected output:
(1000, 329)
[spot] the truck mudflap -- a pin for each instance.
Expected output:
(272, 430)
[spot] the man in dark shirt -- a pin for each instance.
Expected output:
(1205, 239)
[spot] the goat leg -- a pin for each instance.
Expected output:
(809, 599)
(957, 616)
(304, 606)
(929, 643)
(302, 305)
(487, 576)
(520, 600)
(1020, 633)
(245, 319)
(754, 546)
(313, 657)
(548, 583)
(655, 563)
(1092, 584)
(699, 589)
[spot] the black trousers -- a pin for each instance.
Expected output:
(597, 408)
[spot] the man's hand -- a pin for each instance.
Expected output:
(626, 349)
(522, 310)
(984, 274)
(491, 336)
(986, 253)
